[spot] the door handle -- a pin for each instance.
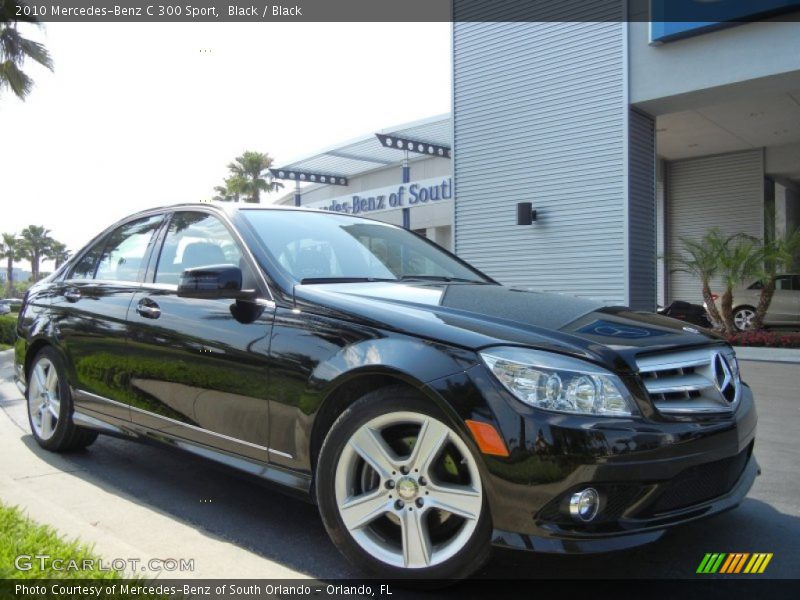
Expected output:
(72, 294)
(148, 309)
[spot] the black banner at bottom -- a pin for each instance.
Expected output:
(296, 589)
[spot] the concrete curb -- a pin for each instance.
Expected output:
(782, 355)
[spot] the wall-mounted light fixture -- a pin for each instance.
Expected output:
(308, 176)
(419, 147)
(525, 213)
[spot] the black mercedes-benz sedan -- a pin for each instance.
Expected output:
(427, 410)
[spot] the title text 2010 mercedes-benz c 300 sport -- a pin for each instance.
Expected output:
(428, 411)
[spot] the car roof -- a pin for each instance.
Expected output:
(232, 206)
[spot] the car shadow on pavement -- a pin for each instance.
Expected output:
(214, 499)
(288, 531)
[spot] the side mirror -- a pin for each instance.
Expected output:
(213, 281)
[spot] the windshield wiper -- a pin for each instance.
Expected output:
(312, 280)
(442, 278)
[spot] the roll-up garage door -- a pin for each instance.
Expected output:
(725, 191)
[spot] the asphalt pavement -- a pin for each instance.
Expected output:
(123, 495)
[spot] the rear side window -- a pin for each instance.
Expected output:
(125, 250)
(783, 283)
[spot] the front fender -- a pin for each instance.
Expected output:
(342, 368)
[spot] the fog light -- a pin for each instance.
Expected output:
(584, 505)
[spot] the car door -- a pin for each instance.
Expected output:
(784, 306)
(198, 367)
(89, 309)
(795, 300)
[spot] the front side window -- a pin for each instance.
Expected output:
(84, 268)
(310, 245)
(196, 239)
(125, 250)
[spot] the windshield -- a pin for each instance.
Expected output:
(321, 247)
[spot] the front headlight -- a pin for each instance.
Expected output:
(559, 383)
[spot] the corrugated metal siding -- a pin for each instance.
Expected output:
(539, 116)
(725, 191)
(642, 211)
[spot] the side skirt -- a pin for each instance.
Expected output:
(296, 484)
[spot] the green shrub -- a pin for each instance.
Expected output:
(8, 328)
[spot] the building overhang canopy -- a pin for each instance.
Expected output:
(367, 153)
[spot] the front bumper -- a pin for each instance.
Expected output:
(651, 473)
(642, 531)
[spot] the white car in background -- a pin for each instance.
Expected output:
(784, 310)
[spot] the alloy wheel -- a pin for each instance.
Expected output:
(44, 399)
(743, 318)
(408, 490)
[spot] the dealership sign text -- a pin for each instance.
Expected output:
(411, 194)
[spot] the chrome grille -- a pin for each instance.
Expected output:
(700, 380)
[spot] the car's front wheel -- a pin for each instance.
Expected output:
(400, 491)
(50, 405)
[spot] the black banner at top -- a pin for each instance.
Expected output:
(672, 11)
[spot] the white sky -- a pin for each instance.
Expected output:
(135, 115)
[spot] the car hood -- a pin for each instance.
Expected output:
(476, 316)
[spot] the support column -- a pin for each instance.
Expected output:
(406, 179)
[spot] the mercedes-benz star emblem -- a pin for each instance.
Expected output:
(723, 376)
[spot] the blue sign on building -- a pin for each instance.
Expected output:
(676, 19)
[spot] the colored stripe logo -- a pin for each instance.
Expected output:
(734, 563)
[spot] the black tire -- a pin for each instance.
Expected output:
(66, 435)
(466, 561)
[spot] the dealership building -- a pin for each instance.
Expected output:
(609, 141)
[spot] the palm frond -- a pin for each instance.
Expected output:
(12, 77)
(10, 44)
(37, 52)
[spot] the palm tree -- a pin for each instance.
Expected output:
(223, 195)
(254, 168)
(15, 49)
(233, 189)
(9, 249)
(779, 254)
(58, 252)
(741, 258)
(701, 259)
(35, 245)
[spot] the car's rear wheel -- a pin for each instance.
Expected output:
(743, 317)
(400, 491)
(50, 406)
